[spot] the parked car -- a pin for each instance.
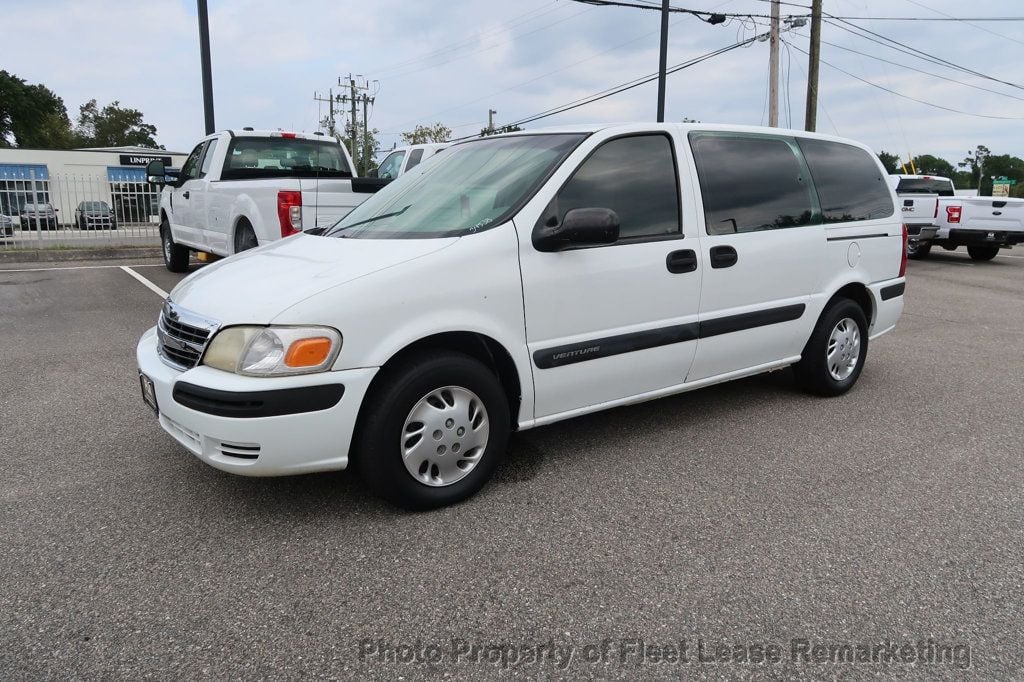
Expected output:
(38, 216)
(404, 159)
(6, 226)
(918, 197)
(240, 189)
(521, 279)
(982, 224)
(94, 215)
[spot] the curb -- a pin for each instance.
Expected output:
(102, 253)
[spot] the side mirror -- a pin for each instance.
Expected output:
(580, 227)
(156, 174)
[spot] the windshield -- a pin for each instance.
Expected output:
(944, 188)
(95, 206)
(464, 189)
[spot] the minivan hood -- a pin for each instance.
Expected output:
(255, 286)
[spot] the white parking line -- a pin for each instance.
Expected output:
(145, 282)
(80, 267)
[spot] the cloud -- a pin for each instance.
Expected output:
(451, 60)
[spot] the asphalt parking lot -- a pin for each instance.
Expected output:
(742, 515)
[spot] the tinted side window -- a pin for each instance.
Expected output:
(190, 169)
(415, 156)
(850, 184)
(633, 176)
(750, 183)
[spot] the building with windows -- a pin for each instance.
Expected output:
(66, 178)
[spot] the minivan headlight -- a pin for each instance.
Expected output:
(273, 351)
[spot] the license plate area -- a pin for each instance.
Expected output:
(148, 392)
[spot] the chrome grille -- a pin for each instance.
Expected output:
(183, 336)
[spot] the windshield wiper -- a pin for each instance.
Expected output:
(375, 218)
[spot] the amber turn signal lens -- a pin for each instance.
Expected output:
(308, 352)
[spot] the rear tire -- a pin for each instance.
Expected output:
(834, 356)
(471, 417)
(245, 237)
(982, 252)
(918, 250)
(175, 255)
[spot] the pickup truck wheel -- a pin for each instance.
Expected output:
(175, 255)
(918, 250)
(432, 431)
(834, 355)
(245, 237)
(982, 252)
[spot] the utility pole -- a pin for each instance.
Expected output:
(367, 101)
(773, 68)
(663, 60)
(814, 53)
(355, 123)
(204, 58)
(490, 119)
(330, 99)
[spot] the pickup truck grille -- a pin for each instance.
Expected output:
(182, 336)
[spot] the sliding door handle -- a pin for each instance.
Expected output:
(723, 257)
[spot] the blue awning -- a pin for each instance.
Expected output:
(126, 174)
(22, 171)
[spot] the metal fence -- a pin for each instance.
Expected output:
(67, 210)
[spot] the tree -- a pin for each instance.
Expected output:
(113, 126)
(1000, 166)
(927, 164)
(975, 163)
(32, 115)
(368, 145)
(890, 161)
(438, 132)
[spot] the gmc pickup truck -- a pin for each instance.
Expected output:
(240, 189)
(982, 224)
(918, 199)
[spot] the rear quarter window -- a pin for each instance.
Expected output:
(851, 185)
(750, 183)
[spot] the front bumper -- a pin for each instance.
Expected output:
(250, 445)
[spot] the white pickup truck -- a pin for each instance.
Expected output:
(982, 224)
(239, 189)
(918, 199)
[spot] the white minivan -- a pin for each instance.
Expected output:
(522, 279)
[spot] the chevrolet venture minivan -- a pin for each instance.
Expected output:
(522, 279)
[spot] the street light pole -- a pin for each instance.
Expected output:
(204, 57)
(663, 61)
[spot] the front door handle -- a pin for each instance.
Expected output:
(723, 257)
(185, 194)
(684, 260)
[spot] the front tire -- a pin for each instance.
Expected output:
(982, 252)
(432, 430)
(834, 356)
(175, 255)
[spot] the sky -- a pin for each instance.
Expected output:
(452, 60)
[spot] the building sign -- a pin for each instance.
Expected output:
(142, 159)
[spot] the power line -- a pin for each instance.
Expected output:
(629, 85)
(981, 28)
(700, 14)
(966, 19)
(914, 52)
(915, 69)
(913, 99)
